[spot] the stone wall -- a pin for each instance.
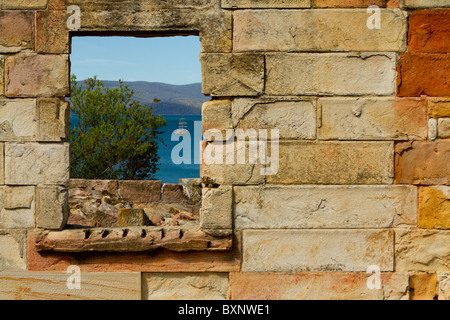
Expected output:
(363, 178)
(125, 203)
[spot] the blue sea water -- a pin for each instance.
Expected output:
(169, 172)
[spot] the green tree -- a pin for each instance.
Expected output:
(115, 136)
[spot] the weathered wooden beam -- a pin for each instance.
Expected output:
(132, 239)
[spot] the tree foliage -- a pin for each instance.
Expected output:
(115, 137)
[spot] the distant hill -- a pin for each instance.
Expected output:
(175, 99)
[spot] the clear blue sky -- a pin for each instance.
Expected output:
(173, 60)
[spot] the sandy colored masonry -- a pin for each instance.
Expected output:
(363, 168)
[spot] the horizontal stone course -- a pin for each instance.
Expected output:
(318, 30)
(317, 286)
(372, 119)
(21, 4)
(337, 207)
(202, 17)
(157, 261)
(229, 4)
(330, 74)
(354, 3)
(55, 286)
(317, 250)
(426, 4)
(334, 163)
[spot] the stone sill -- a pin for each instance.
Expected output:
(132, 239)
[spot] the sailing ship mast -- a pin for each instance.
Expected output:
(181, 131)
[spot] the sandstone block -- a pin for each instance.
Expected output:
(316, 286)
(140, 191)
(434, 207)
(158, 261)
(432, 129)
(215, 168)
(132, 217)
(2, 75)
(217, 206)
(33, 163)
(444, 287)
(351, 3)
(52, 210)
(192, 189)
(2, 163)
(318, 30)
(184, 286)
(172, 192)
(444, 128)
(426, 4)
(334, 163)
(17, 207)
(325, 207)
(52, 35)
(232, 74)
(423, 286)
(422, 162)
(21, 4)
(16, 31)
(19, 119)
(230, 4)
(293, 119)
(317, 250)
(54, 119)
(423, 74)
(32, 75)
(216, 30)
(373, 119)
(54, 286)
(428, 31)
(330, 74)
(422, 250)
(13, 256)
(216, 115)
(438, 107)
(176, 17)
(107, 186)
